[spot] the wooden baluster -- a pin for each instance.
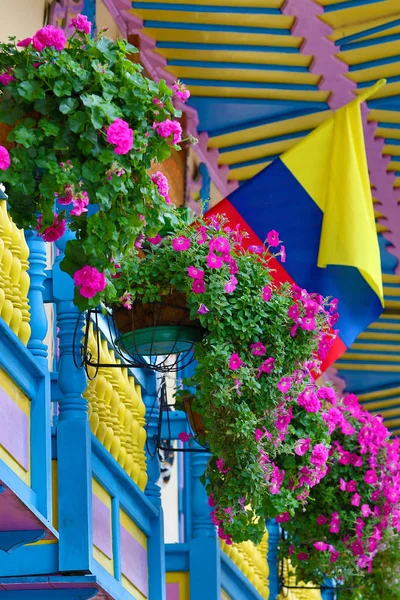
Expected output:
(16, 270)
(7, 310)
(2, 280)
(25, 328)
(141, 438)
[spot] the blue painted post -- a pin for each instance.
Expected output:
(40, 407)
(204, 554)
(273, 565)
(327, 590)
(73, 434)
(89, 9)
(156, 553)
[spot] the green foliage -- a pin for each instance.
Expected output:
(235, 403)
(60, 104)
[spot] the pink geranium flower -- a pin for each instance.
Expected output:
(126, 300)
(183, 436)
(162, 184)
(235, 362)
(5, 160)
(24, 43)
(322, 520)
(49, 37)
(180, 244)
(6, 78)
(283, 517)
(181, 91)
(53, 232)
(168, 129)
(302, 446)
(89, 281)
(82, 24)
(120, 135)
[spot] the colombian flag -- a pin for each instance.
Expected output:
(317, 195)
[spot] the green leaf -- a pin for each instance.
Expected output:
(23, 135)
(62, 88)
(31, 90)
(67, 105)
(50, 129)
(77, 121)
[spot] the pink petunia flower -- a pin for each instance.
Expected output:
(284, 384)
(198, 286)
(126, 300)
(231, 285)
(273, 238)
(235, 362)
(219, 244)
(266, 293)
(202, 310)
(180, 244)
(195, 273)
(258, 349)
(214, 261)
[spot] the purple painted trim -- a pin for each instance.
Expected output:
(15, 515)
(14, 432)
(173, 591)
(101, 526)
(134, 561)
(333, 73)
(62, 11)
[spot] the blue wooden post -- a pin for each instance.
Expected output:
(273, 540)
(328, 592)
(204, 557)
(89, 9)
(156, 554)
(73, 434)
(40, 407)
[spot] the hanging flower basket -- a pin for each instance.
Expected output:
(157, 328)
(195, 418)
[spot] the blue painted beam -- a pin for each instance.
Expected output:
(53, 594)
(197, 8)
(176, 557)
(217, 28)
(346, 4)
(273, 539)
(39, 559)
(356, 36)
(11, 540)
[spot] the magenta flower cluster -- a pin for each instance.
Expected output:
(89, 281)
(120, 135)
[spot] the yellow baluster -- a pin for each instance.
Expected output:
(25, 329)
(7, 310)
(15, 273)
(2, 280)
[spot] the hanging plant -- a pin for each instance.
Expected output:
(262, 413)
(81, 128)
(355, 510)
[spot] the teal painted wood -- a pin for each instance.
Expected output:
(41, 560)
(116, 537)
(73, 435)
(328, 590)
(273, 540)
(155, 545)
(11, 540)
(53, 594)
(89, 9)
(204, 553)
(40, 407)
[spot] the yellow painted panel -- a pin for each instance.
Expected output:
(269, 130)
(391, 412)
(392, 304)
(391, 150)
(364, 13)
(106, 562)
(215, 18)
(379, 394)
(133, 529)
(223, 37)
(381, 228)
(380, 404)
(391, 291)
(242, 173)
(232, 3)
(377, 347)
(384, 337)
(393, 166)
(390, 89)
(224, 595)
(23, 403)
(237, 92)
(373, 73)
(392, 422)
(359, 55)
(386, 132)
(376, 357)
(384, 115)
(358, 27)
(183, 579)
(343, 366)
(256, 58)
(397, 182)
(261, 151)
(256, 75)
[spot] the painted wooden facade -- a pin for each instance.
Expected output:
(80, 505)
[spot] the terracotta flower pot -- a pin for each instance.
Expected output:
(195, 418)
